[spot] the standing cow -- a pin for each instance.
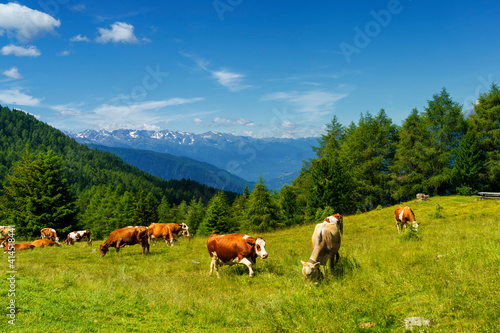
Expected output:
(235, 249)
(405, 215)
(160, 230)
(126, 236)
(77, 236)
(49, 233)
(325, 244)
(338, 220)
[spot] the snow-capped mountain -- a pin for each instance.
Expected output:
(246, 157)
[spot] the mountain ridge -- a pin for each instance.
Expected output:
(277, 160)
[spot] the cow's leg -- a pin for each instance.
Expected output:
(214, 265)
(118, 246)
(247, 263)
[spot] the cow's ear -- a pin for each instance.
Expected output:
(317, 264)
(251, 241)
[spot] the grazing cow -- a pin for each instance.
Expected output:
(77, 236)
(45, 243)
(338, 220)
(126, 236)
(325, 244)
(235, 249)
(160, 230)
(405, 215)
(179, 229)
(49, 233)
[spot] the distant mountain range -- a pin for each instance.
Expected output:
(168, 167)
(278, 161)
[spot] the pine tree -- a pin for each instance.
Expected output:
(289, 206)
(486, 122)
(468, 165)
(36, 196)
(217, 216)
(195, 214)
(447, 126)
(330, 142)
(262, 213)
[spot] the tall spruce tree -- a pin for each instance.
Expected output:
(262, 212)
(486, 121)
(447, 126)
(36, 196)
(217, 216)
(368, 151)
(468, 165)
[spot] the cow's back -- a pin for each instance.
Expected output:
(227, 247)
(325, 241)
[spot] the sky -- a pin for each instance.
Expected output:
(256, 68)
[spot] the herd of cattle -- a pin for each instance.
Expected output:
(223, 249)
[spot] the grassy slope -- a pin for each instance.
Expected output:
(450, 276)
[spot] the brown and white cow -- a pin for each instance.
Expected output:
(235, 249)
(5, 231)
(338, 220)
(11, 246)
(404, 216)
(160, 230)
(49, 233)
(325, 244)
(77, 236)
(126, 236)
(45, 243)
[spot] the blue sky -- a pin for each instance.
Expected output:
(259, 68)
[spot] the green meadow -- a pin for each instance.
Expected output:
(447, 273)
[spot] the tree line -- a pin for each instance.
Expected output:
(357, 168)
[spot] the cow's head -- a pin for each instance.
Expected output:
(414, 225)
(260, 247)
(104, 249)
(185, 230)
(311, 271)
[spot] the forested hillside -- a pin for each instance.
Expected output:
(168, 166)
(26, 141)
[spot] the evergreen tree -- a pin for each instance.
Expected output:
(217, 216)
(332, 186)
(262, 213)
(329, 143)
(411, 169)
(486, 122)
(289, 206)
(468, 165)
(36, 196)
(195, 213)
(447, 126)
(368, 151)
(146, 209)
(165, 214)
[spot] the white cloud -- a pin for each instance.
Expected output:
(120, 32)
(233, 122)
(20, 51)
(13, 73)
(24, 23)
(16, 97)
(314, 102)
(64, 53)
(79, 38)
(143, 115)
(197, 121)
(232, 81)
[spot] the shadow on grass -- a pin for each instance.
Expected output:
(345, 267)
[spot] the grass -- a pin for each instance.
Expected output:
(448, 274)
